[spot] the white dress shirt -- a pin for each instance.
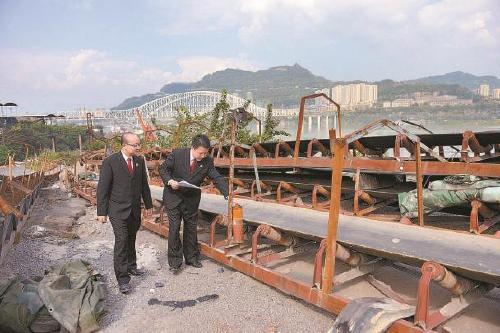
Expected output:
(126, 159)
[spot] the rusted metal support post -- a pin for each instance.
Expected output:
(480, 209)
(263, 185)
(10, 167)
(321, 190)
(299, 128)
(318, 265)
(271, 234)
(287, 187)
(342, 253)
(231, 176)
(397, 147)
(420, 192)
(405, 142)
(319, 145)
(282, 145)
(333, 216)
(446, 279)
(301, 121)
(357, 189)
(219, 219)
(470, 141)
(240, 151)
(261, 150)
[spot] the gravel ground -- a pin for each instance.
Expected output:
(242, 304)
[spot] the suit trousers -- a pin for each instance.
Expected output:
(124, 257)
(189, 245)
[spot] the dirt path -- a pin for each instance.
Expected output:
(228, 301)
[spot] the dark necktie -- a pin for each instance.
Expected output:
(193, 165)
(129, 166)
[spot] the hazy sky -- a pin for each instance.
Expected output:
(62, 54)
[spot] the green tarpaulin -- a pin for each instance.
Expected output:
(71, 293)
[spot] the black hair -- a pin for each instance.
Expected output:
(200, 140)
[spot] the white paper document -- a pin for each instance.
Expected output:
(184, 183)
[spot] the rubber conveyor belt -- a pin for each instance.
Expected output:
(476, 257)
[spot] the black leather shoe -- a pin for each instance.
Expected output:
(194, 263)
(125, 288)
(175, 269)
(136, 272)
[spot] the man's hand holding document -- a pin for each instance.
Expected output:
(186, 184)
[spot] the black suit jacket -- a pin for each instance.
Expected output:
(118, 192)
(177, 167)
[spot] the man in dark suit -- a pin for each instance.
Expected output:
(122, 182)
(192, 165)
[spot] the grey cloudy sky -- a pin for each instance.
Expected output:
(62, 54)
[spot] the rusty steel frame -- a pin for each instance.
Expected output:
(311, 294)
(307, 292)
(429, 168)
(480, 209)
(85, 192)
(16, 205)
(468, 291)
(470, 141)
(319, 293)
(330, 302)
(333, 216)
(316, 143)
(301, 120)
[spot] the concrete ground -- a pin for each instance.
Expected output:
(241, 304)
(61, 228)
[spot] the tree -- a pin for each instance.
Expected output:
(37, 137)
(270, 123)
(4, 154)
(218, 116)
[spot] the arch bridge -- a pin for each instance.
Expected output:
(197, 102)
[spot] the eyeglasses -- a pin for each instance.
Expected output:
(137, 145)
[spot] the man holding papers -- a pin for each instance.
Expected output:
(182, 173)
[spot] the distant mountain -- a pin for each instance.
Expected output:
(282, 85)
(389, 90)
(136, 101)
(460, 78)
(285, 85)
